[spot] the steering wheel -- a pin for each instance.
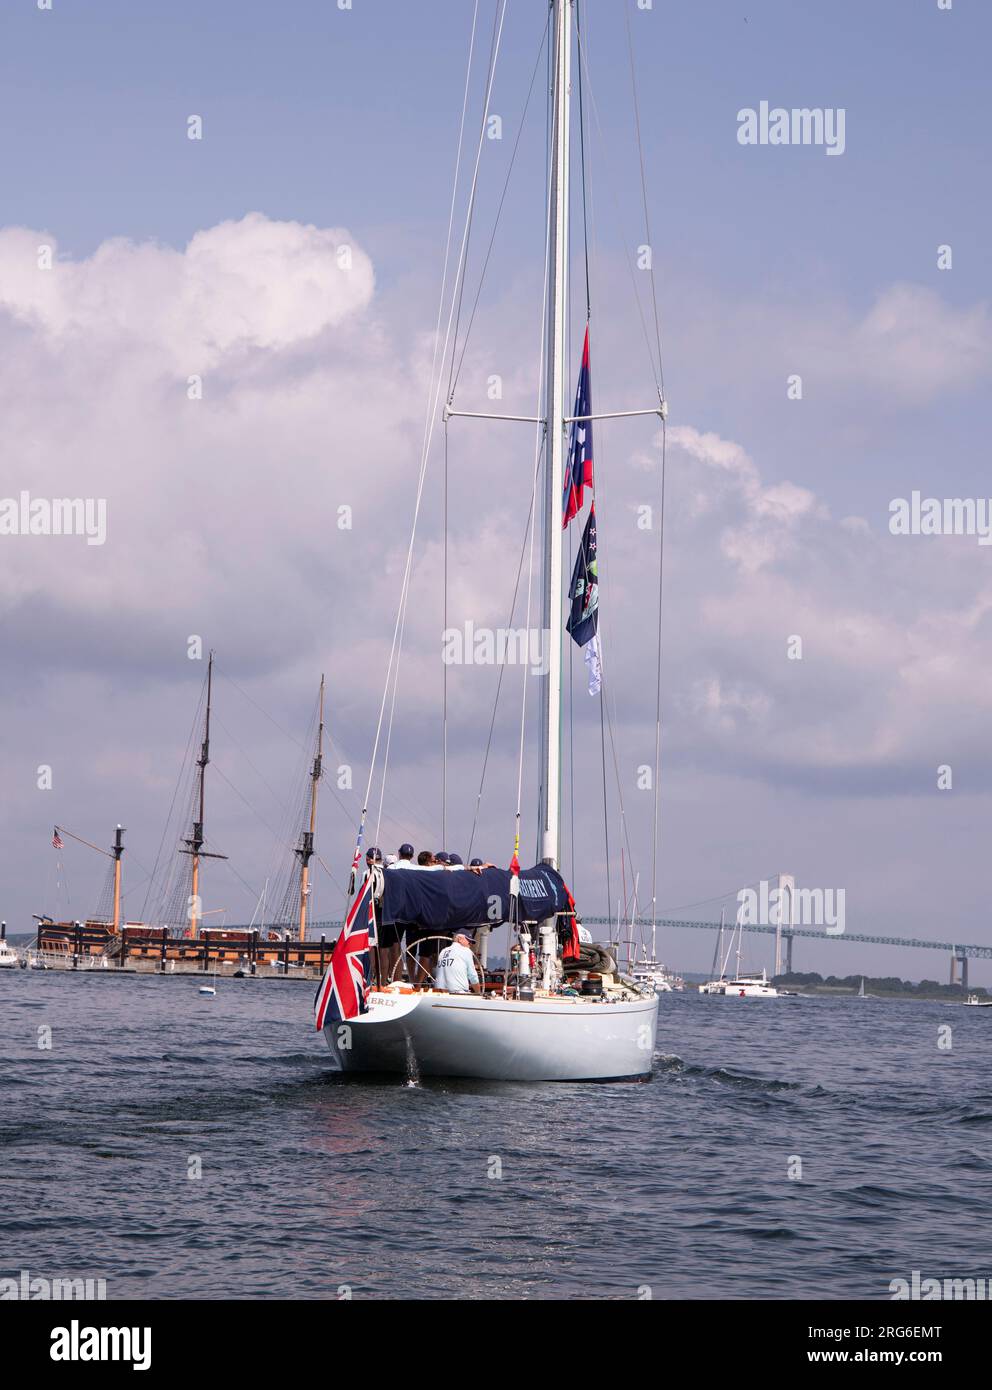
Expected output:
(408, 951)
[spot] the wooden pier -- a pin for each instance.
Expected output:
(85, 945)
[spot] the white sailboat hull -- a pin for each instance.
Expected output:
(435, 1034)
(740, 989)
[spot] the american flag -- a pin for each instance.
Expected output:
(343, 991)
(56, 839)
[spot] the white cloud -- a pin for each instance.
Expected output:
(223, 522)
(253, 283)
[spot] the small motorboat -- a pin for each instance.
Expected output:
(973, 1002)
(9, 959)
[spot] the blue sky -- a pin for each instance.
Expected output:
(769, 261)
(322, 115)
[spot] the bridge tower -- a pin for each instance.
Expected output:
(785, 916)
(958, 957)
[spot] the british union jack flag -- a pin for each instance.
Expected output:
(344, 990)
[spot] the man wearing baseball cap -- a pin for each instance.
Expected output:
(405, 860)
(456, 972)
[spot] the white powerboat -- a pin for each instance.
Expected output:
(656, 976)
(9, 959)
(974, 1002)
(652, 975)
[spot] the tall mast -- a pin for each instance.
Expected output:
(194, 842)
(550, 764)
(305, 850)
(117, 851)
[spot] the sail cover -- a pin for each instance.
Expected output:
(446, 899)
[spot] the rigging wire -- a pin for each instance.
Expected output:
(168, 820)
(657, 711)
(499, 209)
(655, 367)
(444, 629)
(608, 721)
(336, 749)
(392, 672)
(582, 163)
(241, 691)
(499, 679)
(719, 897)
(542, 441)
(428, 422)
(285, 844)
(79, 839)
(498, 15)
(644, 193)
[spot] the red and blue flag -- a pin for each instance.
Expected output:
(578, 473)
(344, 990)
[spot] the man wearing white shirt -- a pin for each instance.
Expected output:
(456, 972)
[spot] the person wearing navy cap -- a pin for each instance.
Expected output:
(386, 953)
(405, 860)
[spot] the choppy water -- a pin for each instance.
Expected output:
(310, 1183)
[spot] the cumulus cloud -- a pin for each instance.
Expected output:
(253, 283)
(224, 520)
(890, 629)
(766, 517)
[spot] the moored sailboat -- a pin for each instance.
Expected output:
(557, 1011)
(742, 985)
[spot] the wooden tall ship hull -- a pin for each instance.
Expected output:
(137, 944)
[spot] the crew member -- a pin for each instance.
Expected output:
(405, 858)
(456, 970)
(387, 952)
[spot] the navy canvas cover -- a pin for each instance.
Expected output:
(445, 899)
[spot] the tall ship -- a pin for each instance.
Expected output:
(559, 1008)
(176, 929)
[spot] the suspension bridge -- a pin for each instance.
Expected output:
(959, 953)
